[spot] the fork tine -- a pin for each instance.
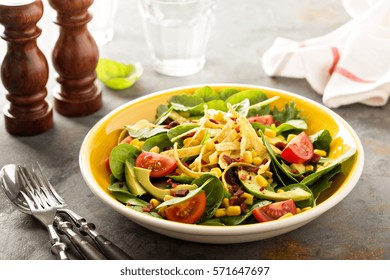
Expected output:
(46, 184)
(30, 190)
(30, 203)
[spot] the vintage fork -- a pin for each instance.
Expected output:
(109, 249)
(82, 246)
(45, 213)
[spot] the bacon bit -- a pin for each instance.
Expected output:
(237, 129)
(234, 201)
(179, 193)
(148, 208)
(171, 124)
(262, 189)
(280, 145)
(294, 171)
(253, 169)
(277, 123)
(233, 189)
(238, 192)
(233, 119)
(171, 183)
(264, 161)
(214, 121)
(243, 207)
(314, 160)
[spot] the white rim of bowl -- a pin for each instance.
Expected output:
(302, 218)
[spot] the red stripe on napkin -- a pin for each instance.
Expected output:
(336, 58)
(347, 74)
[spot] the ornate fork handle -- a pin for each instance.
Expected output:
(58, 248)
(109, 249)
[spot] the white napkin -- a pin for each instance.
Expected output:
(349, 65)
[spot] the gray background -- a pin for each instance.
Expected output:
(357, 228)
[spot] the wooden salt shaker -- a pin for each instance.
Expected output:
(24, 71)
(75, 57)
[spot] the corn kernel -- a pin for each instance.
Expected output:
(155, 149)
(257, 160)
(267, 174)
(167, 197)
(248, 157)
(270, 180)
(290, 137)
(286, 215)
(248, 198)
(280, 191)
(270, 133)
(220, 212)
(299, 210)
(161, 211)
(254, 153)
(261, 181)
(225, 202)
(320, 152)
(137, 143)
(233, 210)
(309, 168)
(306, 208)
(216, 172)
(155, 202)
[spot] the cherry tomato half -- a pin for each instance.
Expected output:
(159, 165)
(298, 150)
(188, 211)
(274, 210)
(266, 119)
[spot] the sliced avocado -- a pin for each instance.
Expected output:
(248, 179)
(132, 183)
(143, 177)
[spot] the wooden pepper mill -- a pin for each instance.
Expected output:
(75, 57)
(24, 71)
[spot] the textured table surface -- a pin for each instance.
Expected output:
(357, 228)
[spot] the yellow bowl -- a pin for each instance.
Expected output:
(103, 137)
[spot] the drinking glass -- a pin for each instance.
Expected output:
(103, 18)
(177, 33)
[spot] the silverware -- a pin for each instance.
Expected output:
(33, 183)
(109, 249)
(27, 202)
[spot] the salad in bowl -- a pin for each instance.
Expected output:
(225, 156)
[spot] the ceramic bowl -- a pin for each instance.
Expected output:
(103, 137)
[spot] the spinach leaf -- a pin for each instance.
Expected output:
(119, 154)
(185, 102)
(255, 96)
(141, 209)
(237, 220)
(121, 192)
(213, 222)
(312, 178)
(321, 140)
(225, 93)
(116, 75)
(176, 131)
(184, 179)
(289, 112)
(214, 194)
(163, 113)
(324, 183)
(217, 105)
(160, 140)
(291, 125)
(206, 93)
(262, 108)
